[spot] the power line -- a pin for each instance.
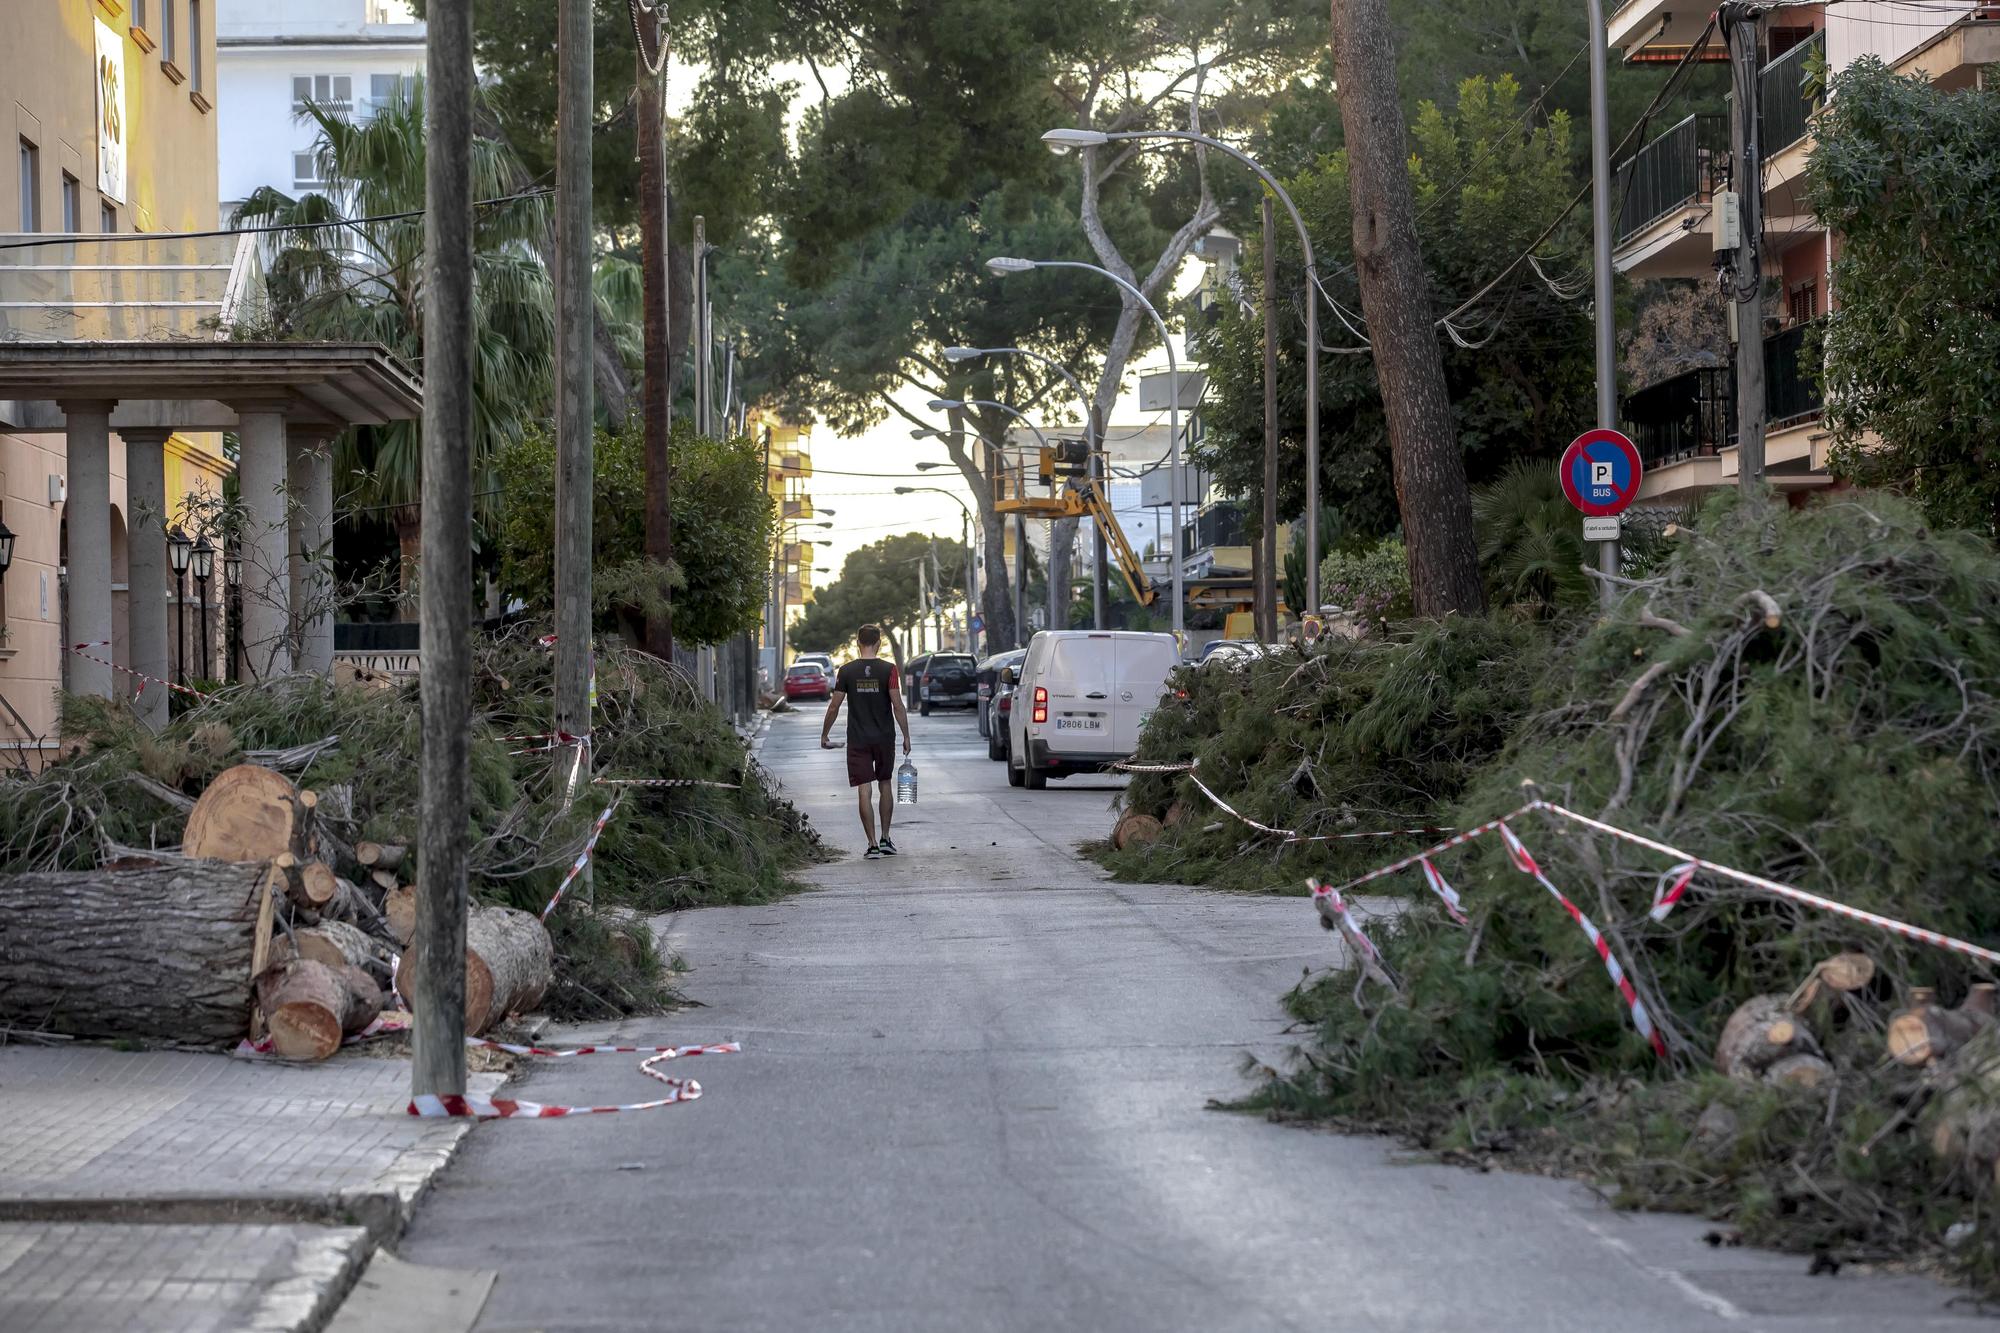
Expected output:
(74, 237)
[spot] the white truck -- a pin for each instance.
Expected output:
(1082, 698)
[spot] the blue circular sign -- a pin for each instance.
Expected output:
(1600, 473)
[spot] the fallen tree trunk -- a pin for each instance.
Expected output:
(160, 954)
(1134, 830)
(338, 945)
(379, 855)
(1762, 1034)
(309, 884)
(399, 909)
(308, 1007)
(248, 813)
(1925, 1032)
(509, 966)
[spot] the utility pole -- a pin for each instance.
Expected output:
(1603, 312)
(1099, 478)
(923, 600)
(1020, 582)
(701, 348)
(1427, 460)
(656, 400)
(437, 962)
(1743, 277)
(1267, 537)
(576, 312)
(937, 600)
(971, 574)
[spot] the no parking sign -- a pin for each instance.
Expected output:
(1600, 473)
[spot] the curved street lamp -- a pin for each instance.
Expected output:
(1065, 140)
(1003, 265)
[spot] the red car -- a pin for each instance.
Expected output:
(807, 680)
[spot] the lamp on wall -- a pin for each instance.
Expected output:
(6, 559)
(179, 551)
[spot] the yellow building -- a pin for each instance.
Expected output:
(120, 374)
(788, 478)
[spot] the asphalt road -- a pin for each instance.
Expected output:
(974, 1097)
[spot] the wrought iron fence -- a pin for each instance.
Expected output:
(1678, 168)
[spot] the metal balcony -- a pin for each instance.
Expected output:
(1784, 107)
(1681, 167)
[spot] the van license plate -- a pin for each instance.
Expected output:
(1079, 724)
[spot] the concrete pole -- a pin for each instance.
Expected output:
(146, 565)
(267, 584)
(701, 414)
(437, 954)
(1020, 582)
(1603, 311)
(1099, 549)
(575, 311)
(1267, 539)
(88, 517)
(311, 482)
(1740, 27)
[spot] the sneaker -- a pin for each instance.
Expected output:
(885, 847)
(872, 854)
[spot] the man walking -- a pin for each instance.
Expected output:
(876, 714)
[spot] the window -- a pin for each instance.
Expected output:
(167, 31)
(305, 170)
(1802, 304)
(72, 203)
(386, 88)
(194, 44)
(31, 187)
(332, 91)
(107, 219)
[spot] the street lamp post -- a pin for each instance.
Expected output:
(203, 561)
(1090, 440)
(965, 536)
(1064, 140)
(179, 550)
(1004, 265)
(232, 574)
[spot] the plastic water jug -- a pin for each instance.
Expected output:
(906, 784)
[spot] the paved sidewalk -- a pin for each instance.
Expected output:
(175, 1190)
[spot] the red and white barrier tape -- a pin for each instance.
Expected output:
(1289, 835)
(1372, 833)
(1665, 895)
(265, 1049)
(566, 1052)
(662, 782)
(1456, 840)
(432, 1106)
(583, 857)
(1348, 927)
(1641, 1020)
(1154, 768)
(143, 679)
(1444, 891)
(1233, 812)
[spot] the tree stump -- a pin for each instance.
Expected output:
(308, 1007)
(1134, 830)
(1925, 1032)
(379, 856)
(160, 953)
(249, 813)
(338, 945)
(1761, 1033)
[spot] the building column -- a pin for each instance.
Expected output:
(267, 589)
(146, 566)
(310, 473)
(88, 518)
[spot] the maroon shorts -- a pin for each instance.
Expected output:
(870, 761)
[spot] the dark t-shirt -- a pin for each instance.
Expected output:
(870, 686)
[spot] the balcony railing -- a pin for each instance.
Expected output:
(1785, 109)
(1218, 525)
(1680, 167)
(1695, 412)
(1791, 392)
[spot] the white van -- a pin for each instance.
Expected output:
(1082, 698)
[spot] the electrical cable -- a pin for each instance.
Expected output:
(72, 238)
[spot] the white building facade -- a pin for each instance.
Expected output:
(272, 56)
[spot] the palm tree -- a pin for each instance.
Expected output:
(364, 282)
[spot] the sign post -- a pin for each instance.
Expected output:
(1600, 474)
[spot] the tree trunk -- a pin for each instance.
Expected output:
(656, 388)
(248, 813)
(338, 945)
(309, 884)
(509, 965)
(1762, 1033)
(1924, 1032)
(161, 954)
(309, 1007)
(1429, 465)
(1134, 830)
(380, 855)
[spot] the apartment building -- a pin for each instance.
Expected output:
(1685, 426)
(273, 58)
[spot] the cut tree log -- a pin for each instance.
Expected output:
(1799, 1071)
(1925, 1032)
(1847, 971)
(399, 909)
(379, 855)
(247, 813)
(1177, 813)
(308, 1007)
(159, 954)
(309, 884)
(1762, 1032)
(338, 945)
(509, 966)
(384, 880)
(1134, 830)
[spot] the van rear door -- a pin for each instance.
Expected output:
(1142, 664)
(1081, 678)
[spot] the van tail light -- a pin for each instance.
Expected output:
(1181, 695)
(1041, 704)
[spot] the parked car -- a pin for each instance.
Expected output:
(946, 680)
(1082, 698)
(823, 660)
(1001, 705)
(908, 674)
(987, 672)
(1227, 654)
(807, 680)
